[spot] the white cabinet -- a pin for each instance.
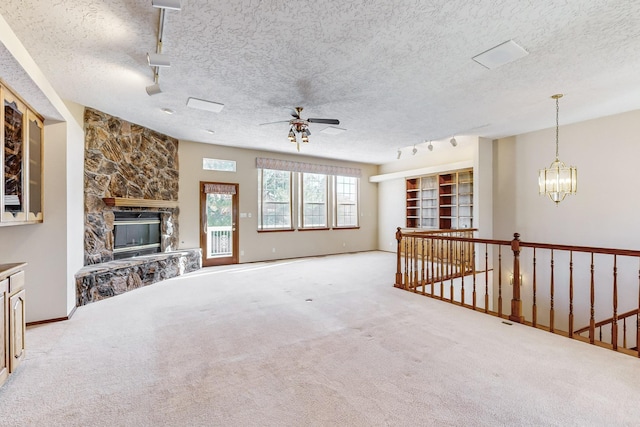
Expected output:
(12, 310)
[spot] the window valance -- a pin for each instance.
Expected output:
(219, 188)
(288, 165)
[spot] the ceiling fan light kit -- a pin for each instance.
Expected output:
(298, 125)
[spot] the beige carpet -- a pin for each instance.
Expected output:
(320, 341)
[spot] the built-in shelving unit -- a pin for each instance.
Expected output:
(440, 201)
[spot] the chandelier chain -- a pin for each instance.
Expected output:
(557, 126)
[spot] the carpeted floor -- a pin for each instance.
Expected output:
(319, 341)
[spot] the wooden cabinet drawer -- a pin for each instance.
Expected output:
(16, 282)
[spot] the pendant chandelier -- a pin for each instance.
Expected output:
(558, 180)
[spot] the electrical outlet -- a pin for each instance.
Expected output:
(273, 250)
(242, 253)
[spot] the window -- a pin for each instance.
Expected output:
(275, 200)
(218, 165)
(314, 200)
(346, 201)
(305, 196)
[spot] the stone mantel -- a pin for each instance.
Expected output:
(139, 203)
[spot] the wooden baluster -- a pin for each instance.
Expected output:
(600, 335)
(423, 279)
(500, 281)
(551, 286)
(407, 256)
(592, 319)
(441, 269)
(571, 294)
(451, 271)
(398, 283)
(638, 316)
(462, 273)
(624, 332)
(473, 271)
(534, 309)
(614, 325)
(433, 277)
(486, 278)
(415, 268)
(516, 302)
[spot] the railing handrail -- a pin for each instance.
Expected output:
(608, 321)
(585, 249)
(432, 257)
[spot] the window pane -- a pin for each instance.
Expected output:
(346, 201)
(276, 199)
(314, 200)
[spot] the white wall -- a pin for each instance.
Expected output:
(605, 210)
(260, 246)
(53, 249)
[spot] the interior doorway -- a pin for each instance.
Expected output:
(219, 232)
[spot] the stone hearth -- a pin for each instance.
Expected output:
(100, 281)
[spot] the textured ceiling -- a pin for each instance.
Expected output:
(394, 73)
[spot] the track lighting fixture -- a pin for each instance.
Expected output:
(154, 89)
(158, 60)
(415, 150)
(166, 4)
(399, 154)
(430, 146)
(453, 141)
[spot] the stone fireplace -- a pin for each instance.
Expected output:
(130, 173)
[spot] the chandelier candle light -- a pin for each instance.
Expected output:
(558, 180)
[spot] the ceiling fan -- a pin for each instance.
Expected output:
(298, 125)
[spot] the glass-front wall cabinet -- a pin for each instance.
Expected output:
(21, 159)
(440, 201)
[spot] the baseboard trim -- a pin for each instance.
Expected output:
(58, 319)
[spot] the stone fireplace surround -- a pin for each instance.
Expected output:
(139, 168)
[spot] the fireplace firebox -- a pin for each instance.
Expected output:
(136, 233)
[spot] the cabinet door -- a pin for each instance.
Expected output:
(13, 201)
(16, 329)
(34, 166)
(4, 330)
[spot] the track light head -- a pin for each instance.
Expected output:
(399, 154)
(430, 146)
(453, 141)
(158, 60)
(414, 151)
(154, 89)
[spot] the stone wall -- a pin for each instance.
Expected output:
(125, 160)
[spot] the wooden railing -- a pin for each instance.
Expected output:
(551, 287)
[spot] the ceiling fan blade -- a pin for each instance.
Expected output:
(325, 121)
(273, 123)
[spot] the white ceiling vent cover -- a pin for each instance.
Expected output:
(502, 54)
(202, 104)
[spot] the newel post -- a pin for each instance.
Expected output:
(516, 303)
(398, 283)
